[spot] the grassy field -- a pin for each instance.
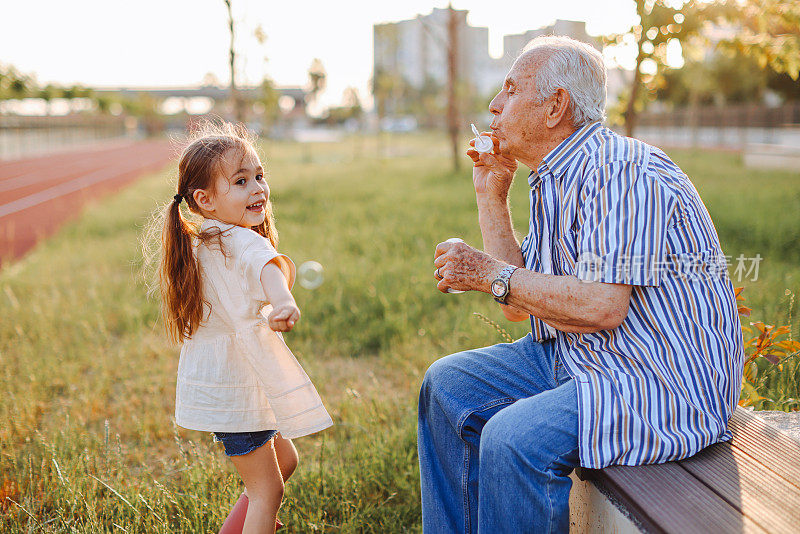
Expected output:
(87, 377)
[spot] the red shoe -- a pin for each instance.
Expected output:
(235, 521)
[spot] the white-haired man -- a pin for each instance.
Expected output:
(635, 351)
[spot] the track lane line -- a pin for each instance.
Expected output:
(66, 188)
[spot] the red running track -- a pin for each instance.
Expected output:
(39, 194)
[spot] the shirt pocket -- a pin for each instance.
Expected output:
(567, 253)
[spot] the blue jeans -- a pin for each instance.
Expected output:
(497, 440)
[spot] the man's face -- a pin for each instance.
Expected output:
(518, 115)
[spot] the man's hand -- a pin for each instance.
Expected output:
(283, 317)
(493, 172)
(463, 268)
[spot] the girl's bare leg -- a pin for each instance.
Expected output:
(287, 456)
(262, 477)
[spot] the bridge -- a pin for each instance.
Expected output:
(298, 94)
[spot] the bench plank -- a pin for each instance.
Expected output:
(747, 485)
(665, 498)
(766, 444)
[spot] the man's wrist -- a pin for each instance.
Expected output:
(493, 197)
(501, 284)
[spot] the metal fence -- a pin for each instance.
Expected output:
(732, 127)
(732, 116)
(22, 136)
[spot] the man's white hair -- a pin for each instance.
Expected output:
(577, 68)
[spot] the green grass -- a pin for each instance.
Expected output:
(87, 377)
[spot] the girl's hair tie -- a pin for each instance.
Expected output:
(177, 198)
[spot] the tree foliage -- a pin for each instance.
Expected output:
(659, 24)
(761, 35)
(15, 84)
(716, 80)
(317, 79)
(720, 79)
(268, 98)
(769, 31)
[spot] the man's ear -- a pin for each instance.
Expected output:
(558, 108)
(203, 200)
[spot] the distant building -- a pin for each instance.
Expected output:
(415, 50)
(414, 53)
(513, 44)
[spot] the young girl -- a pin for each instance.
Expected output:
(225, 294)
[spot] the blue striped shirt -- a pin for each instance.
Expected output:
(664, 383)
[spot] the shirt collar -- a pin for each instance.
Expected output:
(556, 161)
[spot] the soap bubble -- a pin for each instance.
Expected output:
(310, 275)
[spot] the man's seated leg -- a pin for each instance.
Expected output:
(459, 394)
(527, 452)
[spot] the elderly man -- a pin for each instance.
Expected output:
(635, 354)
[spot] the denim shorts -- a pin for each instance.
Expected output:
(239, 443)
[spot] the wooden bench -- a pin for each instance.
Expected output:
(749, 484)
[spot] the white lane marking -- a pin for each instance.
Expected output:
(25, 180)
(50, 159)
(40, 175)
(65, 188)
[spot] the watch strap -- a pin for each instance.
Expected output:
(505, 276)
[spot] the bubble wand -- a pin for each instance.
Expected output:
(483, 143)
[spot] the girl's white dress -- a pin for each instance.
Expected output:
(236, 374)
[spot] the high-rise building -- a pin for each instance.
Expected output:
(513, 44)
(412, 54)
(416, 50)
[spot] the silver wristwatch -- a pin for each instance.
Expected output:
(500, 286)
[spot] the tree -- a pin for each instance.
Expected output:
(385, 87)
(210, 80)
(453, 125)
(428, 104)
(352, 102)
(718, 80)
(765, 34)
(238, 109)
(769, 31)
(659, 24)
(268, 98)
(784, 85)
(48, 93)
(317, 79)
(14, 84)
(103, 103)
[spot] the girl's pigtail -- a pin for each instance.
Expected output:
(267, 228)
(179, 275)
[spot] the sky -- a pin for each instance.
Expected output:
(169, 43)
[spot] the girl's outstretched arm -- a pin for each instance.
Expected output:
(285, 312)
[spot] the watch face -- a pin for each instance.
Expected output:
(498, 288)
